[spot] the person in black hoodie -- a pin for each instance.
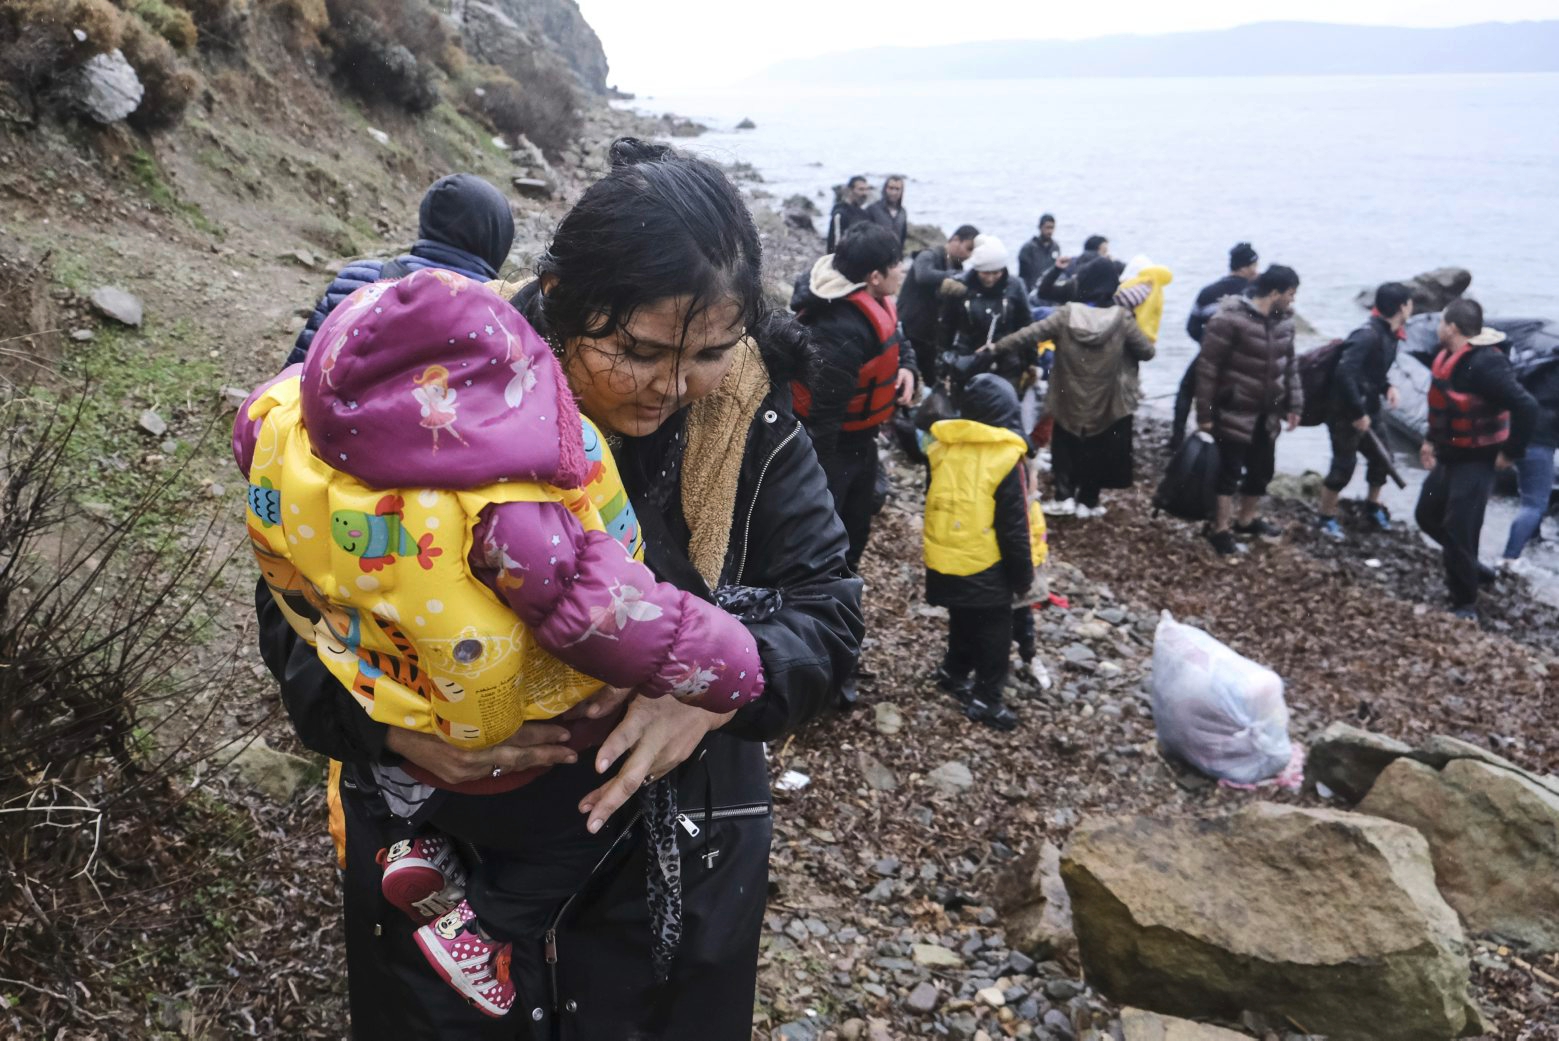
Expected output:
(1361, 381)
(1480, 419)
(464, 225)
(919, 303)
(735, 508)
(849, 210)
(992, 305)
(1241, 276)
(1038, 254)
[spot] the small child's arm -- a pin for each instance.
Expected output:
(599, 611)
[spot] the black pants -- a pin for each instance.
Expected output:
(1185, 398)
(852, 477)
(979, 640)
(1247, 467)
(1023, 632)
(1450, 511)
(1347, 443)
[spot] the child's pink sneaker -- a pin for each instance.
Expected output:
(474, 964)
(423, 877)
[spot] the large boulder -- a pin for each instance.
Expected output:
(1036, 913)
(1137, 1025)
(1494, 836)
(1432, 290)
(276, 773)
(105, 87)
(1346, 760)
(1329, 918)
(512, 33)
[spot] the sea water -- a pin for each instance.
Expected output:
(1351, 180)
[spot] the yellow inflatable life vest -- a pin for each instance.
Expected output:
(968, 461)
(378, 581)
(1150, 313)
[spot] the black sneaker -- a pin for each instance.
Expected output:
(1259, 528)
(1466, 612)
(849, 696)
(997, 716)
(961, 690)
(1487, 576)
(1223, 543)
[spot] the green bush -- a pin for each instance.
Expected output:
(220, 22)
(38, 40)
(173, 24)
(376, 44)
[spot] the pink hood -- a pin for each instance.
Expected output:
(435, 381)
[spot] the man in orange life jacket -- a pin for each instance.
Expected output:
(1480, 418)
(860, 372)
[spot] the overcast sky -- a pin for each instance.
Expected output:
(689, 44)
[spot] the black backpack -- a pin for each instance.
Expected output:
(1189, 489)
(1316, 369)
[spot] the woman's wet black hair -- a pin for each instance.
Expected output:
(661, 224)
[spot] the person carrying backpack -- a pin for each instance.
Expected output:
(464, 225)
(1361, 379)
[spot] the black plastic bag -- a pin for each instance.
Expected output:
(1189, 489)
(937, 407)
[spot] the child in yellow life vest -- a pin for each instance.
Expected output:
(437, 519)
(984, 537)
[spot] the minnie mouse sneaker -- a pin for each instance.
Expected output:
(423, 877)
(469, 960)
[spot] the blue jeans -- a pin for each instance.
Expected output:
(1535, 478)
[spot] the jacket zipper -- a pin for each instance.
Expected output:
(741, 568)
(550, 938)
(728, 813)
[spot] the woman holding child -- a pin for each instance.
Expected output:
(650, 300)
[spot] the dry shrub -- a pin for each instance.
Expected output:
(376, 43)
(170, 84)
(221, 22)
(173, 24)
(308, 18)
(38, 39)
(543, 105)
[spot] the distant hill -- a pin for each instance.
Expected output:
(1264, 49)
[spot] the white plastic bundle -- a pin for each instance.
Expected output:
(1217, 710)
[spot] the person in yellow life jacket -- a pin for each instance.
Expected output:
(434, 516)
(984, 537)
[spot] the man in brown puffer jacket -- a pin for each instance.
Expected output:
(1247, 383)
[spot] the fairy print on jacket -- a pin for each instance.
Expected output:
(452, 536)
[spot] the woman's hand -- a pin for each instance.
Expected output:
(534, 744)
(602, 703)
(660, 733)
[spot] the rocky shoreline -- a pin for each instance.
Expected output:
(909, 873)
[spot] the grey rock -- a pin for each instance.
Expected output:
(798, 1030)
(933, 956)
(1019, 964)
(951, 778)
(747, 124)
(888, 719)
(1137, 1025)
(877, 776)
(532, 187)
(152, 423)
(83, 335)
(1347, 760)
(924, 998)
(302, 257)
(278, 774)
(1058, 1023)
(1062, 990)
(886, 866)
(105, 87)
(233, 397)
(1077, 653)
(881, 892)
(1032, 902)
(118, 304)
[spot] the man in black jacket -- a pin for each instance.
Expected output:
(919, 305)
(1242, 273)
(1480, 418)
(849, 210)
(1359, 383)
(1038, 254)
(860, 371)
(889, 210)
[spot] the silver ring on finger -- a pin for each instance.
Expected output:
(497, 771)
